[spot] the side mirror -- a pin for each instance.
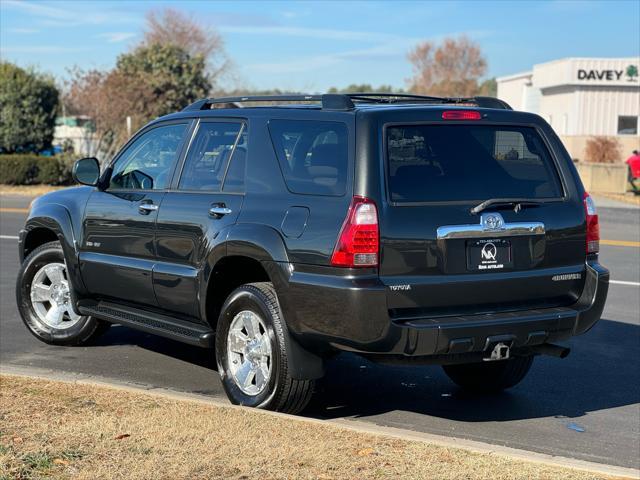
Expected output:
(86, 171)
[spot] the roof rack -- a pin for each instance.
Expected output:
(480, 101)
(337, 101)
(329, 101)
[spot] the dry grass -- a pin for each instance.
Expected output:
(65, 430)
(28, 190)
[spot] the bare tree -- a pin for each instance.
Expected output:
(452, 68)
(171, 26)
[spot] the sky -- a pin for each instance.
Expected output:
(311, 46)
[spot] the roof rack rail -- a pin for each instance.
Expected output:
(338, 101)
(328, 101)
(480, 101)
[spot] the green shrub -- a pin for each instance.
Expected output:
(29, 169)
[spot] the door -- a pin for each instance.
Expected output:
(206, 199)
(117, 251)
(441, 258)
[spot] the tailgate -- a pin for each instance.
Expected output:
(439, 259)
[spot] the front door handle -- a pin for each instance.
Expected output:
(219, 210)
(147, 208)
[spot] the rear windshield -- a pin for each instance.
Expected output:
(439, 163)
(312, 155)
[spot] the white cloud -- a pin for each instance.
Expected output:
(23, 31)
(316, 62)
(65, 14)
(52, 49)
(116, 37)
(290, 14)
(39, 9)
(389, 48)
(318, 33)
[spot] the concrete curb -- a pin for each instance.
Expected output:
(353, 425)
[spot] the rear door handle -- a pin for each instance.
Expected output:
(219, 211)
(147, 208)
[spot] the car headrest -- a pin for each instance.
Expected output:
(327, 155)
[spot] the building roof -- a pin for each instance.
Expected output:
(515, 76)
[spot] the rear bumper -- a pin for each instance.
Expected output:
(351, 314)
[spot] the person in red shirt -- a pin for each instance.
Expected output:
(634, 170)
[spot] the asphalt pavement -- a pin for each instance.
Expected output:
(586, 406)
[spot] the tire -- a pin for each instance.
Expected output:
(253, 308)
(488, 377)
(45, 270)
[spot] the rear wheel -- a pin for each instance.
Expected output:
(251, 352)
(489, 376)
(44, 300)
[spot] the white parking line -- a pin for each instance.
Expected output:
(620, 282)
(8, 237)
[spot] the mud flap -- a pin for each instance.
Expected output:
(303, 364)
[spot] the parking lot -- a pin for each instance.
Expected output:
(586, 406)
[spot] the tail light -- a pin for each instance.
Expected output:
(358, 243)
(593, 226)
(461, 115)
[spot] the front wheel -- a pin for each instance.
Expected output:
(44, 300)
(251, 352)
(489, 376)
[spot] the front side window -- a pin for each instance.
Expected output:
(210, 152)
(441, 163)
(313, 155)
(147, 163)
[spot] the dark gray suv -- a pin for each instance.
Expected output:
(403, 228)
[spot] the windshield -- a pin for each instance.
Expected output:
(440, 163)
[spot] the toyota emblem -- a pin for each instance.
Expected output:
(492, 221)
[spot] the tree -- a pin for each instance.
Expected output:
(169, 78)
(151, 81)
(170, 26)
(452, 68)
(28, 102)
(488, 88)
(365, 87)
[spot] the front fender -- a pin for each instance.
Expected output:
(56, 218)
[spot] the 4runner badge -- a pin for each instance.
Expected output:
(566, 276)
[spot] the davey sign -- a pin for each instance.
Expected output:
(612, 75)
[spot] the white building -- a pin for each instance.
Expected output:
(581, 98)
(78, 131)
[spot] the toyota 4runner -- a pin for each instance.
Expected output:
(404, 228)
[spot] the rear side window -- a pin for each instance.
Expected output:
(313, 156)
(440, 163)
(208, 156)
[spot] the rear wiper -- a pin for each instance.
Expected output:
(517, 204)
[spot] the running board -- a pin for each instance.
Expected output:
(158, 324)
